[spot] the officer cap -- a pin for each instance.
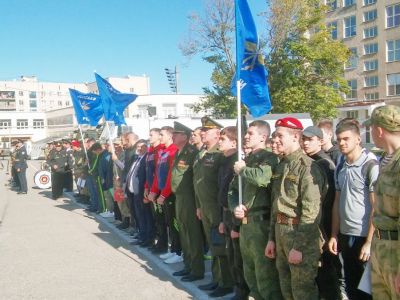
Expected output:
(208, 123)
(13, 143)
(57, 143)
(20, 141)
(289, 122)
(180, 128)
(311, 131)
(66, 141)
(387, 117)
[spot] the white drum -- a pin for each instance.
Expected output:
(42, 179)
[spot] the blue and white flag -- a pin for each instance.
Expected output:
(114, 102)
(88, 107)
(250, 69)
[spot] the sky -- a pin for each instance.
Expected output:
(67, 40)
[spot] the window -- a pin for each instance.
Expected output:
(350, 26)
(393, 50)
(5, 123)
(393, 81)
(370, 15)
(32, 104)
(352, 94)
(188, 110)
(352, 114)
(59, 103)
(333, 27)
(370, 48)
(393, 15)
(21, 93)
(169, 110)
(369, 2)
(371, 96)
(371, 81)
(132, 90)
(370, 32)
(38, 123)
(332, 4)
(353, 59)
(32, 95)
(67, 103)
(22, 123)
(42, 93)
(371, 65)
(348, 3)
(21, 102)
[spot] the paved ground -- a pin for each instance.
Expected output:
(54, 250)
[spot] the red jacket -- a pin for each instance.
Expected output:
(162, 179)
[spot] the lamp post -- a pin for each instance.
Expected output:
(172, 77)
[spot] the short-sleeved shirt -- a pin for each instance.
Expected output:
(355, 182)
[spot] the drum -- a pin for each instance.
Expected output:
(42, 179)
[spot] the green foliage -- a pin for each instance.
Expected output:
(306, 70)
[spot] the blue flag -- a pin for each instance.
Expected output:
(88, 107)
(250, 69)
(114, 102)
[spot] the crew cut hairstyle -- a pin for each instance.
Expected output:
(326, 124)
(347, 124)
(155, 130)
(169, 129)
(230, 132)
(262, 126)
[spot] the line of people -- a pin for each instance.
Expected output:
(304, 201)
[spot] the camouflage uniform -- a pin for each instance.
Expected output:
(63, 161)
(79, 168)
(385, 250)
(298, 184)
(260, 272)
(189, 226)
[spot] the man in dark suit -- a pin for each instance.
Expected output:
(20, 166)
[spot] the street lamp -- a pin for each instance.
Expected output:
(172, 77)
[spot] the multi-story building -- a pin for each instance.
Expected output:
(371, 30)
(33, 110)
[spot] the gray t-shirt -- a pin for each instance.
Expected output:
(355, 182)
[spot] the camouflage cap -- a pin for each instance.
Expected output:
(208, 123)
(180, 128)
(387, 117)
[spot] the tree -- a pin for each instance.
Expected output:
(212, 36)
(305, 64)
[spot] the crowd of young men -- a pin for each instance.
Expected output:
(304, 200)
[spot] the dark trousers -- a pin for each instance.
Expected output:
(330, 280)
(57, 184)
(68, 181)
(350, 247)
(117, 212)
(172, 224)
(235, 258)
(143, 216)
(14, 175)
(22, 180)
(161, 227)
(94, 193)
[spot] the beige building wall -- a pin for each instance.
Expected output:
(365, 95)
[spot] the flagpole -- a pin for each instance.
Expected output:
(84, 147)
(238, 104)
(109, 137)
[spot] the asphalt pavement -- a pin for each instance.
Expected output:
(55, 250)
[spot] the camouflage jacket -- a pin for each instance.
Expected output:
(298, 185)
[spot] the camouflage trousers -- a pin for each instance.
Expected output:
(297, 281)
(259, 271)
(384, 269)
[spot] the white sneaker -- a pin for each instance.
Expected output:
(166, 255)
(107, 214)
(174, 259)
